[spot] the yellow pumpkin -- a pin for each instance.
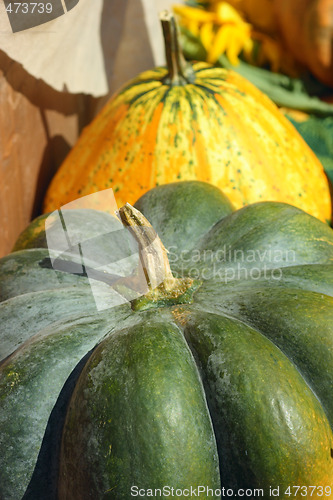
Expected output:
(192, 122)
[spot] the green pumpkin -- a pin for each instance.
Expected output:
(219, 377)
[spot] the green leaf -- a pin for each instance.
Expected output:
(318, 134)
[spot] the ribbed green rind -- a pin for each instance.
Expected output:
(30, 383)
(299, 322)
(266, 235)
(23, 316)
(138, 417)
(22, 272)
(312, 277)
(270, 428)
(95, 223)
(33, 236)
(92, 240)
(183, 212)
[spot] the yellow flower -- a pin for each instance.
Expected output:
(225, 13)
(193, 13)
(233, 28)
(260, 13)
(232, 40)
(221, 29)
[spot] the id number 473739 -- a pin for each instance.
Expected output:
(29, 8)
(309, 491)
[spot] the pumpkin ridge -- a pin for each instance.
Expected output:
(198, 327)
(156, 353)
(233, 215)
(137, 97)
(287, 215)
(166, 95)
(209, 91)
(156, 78)
(39, 293)
(140, 83)
(10, 344)
(246, 309)
(37, 336)
(21, 409)
(220, 73)
(313, 282)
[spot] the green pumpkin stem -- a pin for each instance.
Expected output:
(163, 288)
(179, 71)
(153, 254)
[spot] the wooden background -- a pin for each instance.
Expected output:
(39, 125)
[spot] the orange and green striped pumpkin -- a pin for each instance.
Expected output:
(192, 121)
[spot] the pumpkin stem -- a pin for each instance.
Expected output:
(163, 288)
(179, 71)
(153, 254)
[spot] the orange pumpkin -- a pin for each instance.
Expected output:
(192, 122)
(307, 28)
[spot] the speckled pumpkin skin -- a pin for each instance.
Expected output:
(220, 129)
